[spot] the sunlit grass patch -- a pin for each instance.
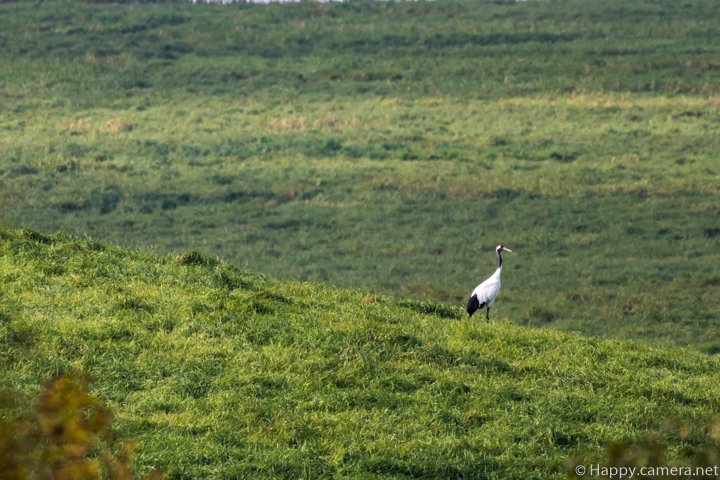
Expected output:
(258, 377)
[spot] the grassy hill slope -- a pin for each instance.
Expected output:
(387, 146)
(222, 373)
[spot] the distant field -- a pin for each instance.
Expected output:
(388, 147)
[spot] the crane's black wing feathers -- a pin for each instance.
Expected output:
(473, 305)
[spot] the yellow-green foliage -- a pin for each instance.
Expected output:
(66, 436)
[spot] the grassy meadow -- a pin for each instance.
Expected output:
(387, 147)
(269, 218)
(217, 372)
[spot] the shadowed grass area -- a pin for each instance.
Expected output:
(219, 372)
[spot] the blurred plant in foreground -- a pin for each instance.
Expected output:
(66, 436)
(650, 457)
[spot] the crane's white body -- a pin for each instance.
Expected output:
(488, 290)
(485, 294)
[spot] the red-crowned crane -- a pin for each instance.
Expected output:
(484, 294)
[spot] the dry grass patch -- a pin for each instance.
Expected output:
(117, 125)
(75, 127)
(304, 123)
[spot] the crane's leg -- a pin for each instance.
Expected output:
(487, 313)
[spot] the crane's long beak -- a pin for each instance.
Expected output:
(507, 249)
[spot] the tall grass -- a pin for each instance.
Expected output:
(217, 372)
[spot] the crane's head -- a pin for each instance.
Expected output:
(502, 248)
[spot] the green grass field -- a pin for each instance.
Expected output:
(387, 147)
(345, 171)
(218, 372)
